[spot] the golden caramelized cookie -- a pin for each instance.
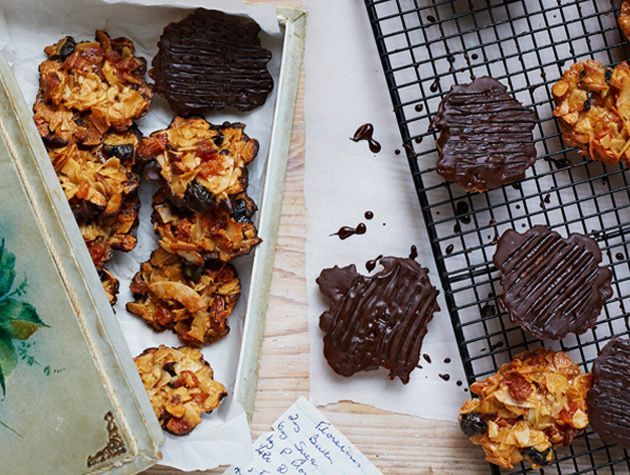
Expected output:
(194, 301)
(531, 405)
(101, 79)
(624, 18)
(107, 233)
(110, 285)
(180, 385)
(94, 182)
(201, 164)
(218, 233)
(593, 108)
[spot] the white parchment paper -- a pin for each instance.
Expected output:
(346, 87)
(26, 27)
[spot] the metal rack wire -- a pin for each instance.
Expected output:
(425, 47)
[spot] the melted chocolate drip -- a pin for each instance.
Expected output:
(619, 256)
(486, 136)
(419, 107)
(368, 215)
(413, 253)
(345, 232)
(426, 357)
(366, 132)
(378, 320)
(371, 264)
(449, 249)
(211, 60)
(497, 345)
(551, 286)
(461, 212)
(608, 401)
(445, 377)
(488, 310)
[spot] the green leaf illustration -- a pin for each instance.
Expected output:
(8, 359)
(7, 271)
(19, 319)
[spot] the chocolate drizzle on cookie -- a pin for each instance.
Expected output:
(551, 286)
(210, 61)
(608, 402)
(486, 136)
(378, 320)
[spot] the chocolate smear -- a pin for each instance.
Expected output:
(551, 286)
(379, 320)
(608, 401)
(210, 61)
(345, 232)
(366, 132)
(486, 136)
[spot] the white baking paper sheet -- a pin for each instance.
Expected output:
(346, 87)
(26, 27)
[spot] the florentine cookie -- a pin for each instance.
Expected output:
(217, 233)
(194, 301)
(378, 320)
(106, 233)
(531, 405)
(592, 109)
(485, 136)
(200, 164)
(211, 60)
(551, 286)
(608, 401)
(110, 285)
(180, 385)
(624, 18)
(101, 79)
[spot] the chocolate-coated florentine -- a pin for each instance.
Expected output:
(486, 136)
(211, 60)
(378, 320)
(551, 286)
(608, 401)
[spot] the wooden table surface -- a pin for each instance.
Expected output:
(396, 444)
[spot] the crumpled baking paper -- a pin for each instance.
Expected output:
(346, 88)
(26, 27)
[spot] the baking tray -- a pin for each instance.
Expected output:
(293, 21)
(425, 47)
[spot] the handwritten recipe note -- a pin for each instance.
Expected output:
(304, 442)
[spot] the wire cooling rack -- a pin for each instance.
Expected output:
(425, 47)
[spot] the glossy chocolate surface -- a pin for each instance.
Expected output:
(486, 136)
(378, 320)
(551, 286)
(608, 401)
(210, 61)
